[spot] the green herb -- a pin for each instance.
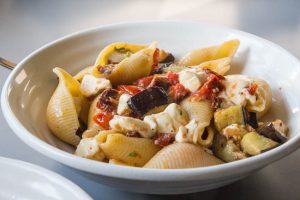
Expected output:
(132, 154)
(180, 112)
(121, 50)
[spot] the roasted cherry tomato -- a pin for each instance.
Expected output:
(102, 119)
(155, 59)
(178, 92)
(144, 82)
(210, 89)
(129, 89)
(252, 89)
(173, 78)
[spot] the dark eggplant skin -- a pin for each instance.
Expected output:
(268, 130)
(250, 118)
(147, 99)
(169, 59)
(164, 63)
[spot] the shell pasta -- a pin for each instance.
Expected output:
(139, 106)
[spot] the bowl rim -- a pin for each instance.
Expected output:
(133, 173)
(46, 173)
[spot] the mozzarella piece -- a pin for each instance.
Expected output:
(125, 124)
(191, 133)
(169, 120)
(178, 114)
(236, 92)
(91, 85)
(88, 148)
(189, 80)
(123, 107)
(234, 131)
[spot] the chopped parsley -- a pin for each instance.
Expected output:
(133, 154)
(126, 52)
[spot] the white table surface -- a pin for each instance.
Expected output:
(27, 25)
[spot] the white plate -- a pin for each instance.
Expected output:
(20, 180)
(27, 90)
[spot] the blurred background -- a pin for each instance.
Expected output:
(26, 25)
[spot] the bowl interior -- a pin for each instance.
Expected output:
(33, 82)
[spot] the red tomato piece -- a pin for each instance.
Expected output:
(210, 88)
(102, 119)
(252, 89)
(155, 59)
(144, 82)
(178, 92)
(173, 78)
(129, 89)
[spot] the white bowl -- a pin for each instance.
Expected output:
(21, 180)
(29, 87)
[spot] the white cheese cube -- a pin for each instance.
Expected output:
(123, 107)
(91, 85)
(125, 124)
(189, 80)
(89, 148)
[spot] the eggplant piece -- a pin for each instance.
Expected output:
(159, 81)
(228, 116)
(166, 62)
(250, 118)
(254, 144)
(147, 99)
(168, 59)
(234, 115)
(272, 130)
(226, 150)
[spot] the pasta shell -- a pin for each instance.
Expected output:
(198, 56)
(63, 108)
(130, 150)
(182, 155)
(220, 66)
(263, 94)
(104, 55)
(117, 162)
(132, 68)
(264, 98)
(92, 112)
(80, 74)
(200, 111)
(207, 140)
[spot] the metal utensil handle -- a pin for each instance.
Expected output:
(6, 63)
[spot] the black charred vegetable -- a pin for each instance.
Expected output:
(169, 59)
(269, 130)
(250, 118)
(164, 64)
(147, 99)
(160, 82)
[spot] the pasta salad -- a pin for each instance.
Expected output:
(139, 106)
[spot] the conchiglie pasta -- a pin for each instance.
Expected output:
(64, 107)
(200, 111)
(220, 66)
(130, 150)
(263, 98)
(132, 68)
(182, 155)
(197, 133)
(117, 48)
(198, 56)
(236, 85)
(92, 112)
(81, 73)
